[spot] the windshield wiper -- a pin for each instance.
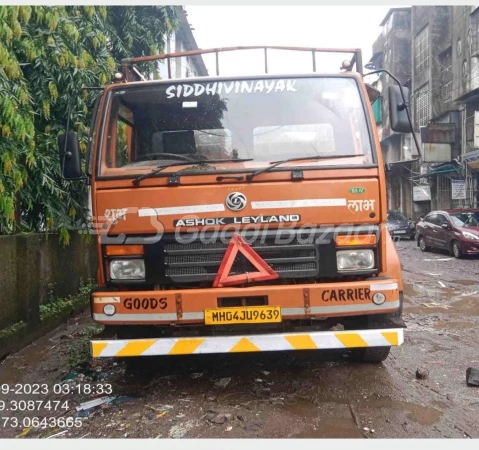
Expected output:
(158, 169)
(250, 176)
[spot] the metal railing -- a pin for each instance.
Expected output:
(131, 73)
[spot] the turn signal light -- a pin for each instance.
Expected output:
(123, 250)
(361, 239)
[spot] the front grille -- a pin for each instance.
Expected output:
(296, 257)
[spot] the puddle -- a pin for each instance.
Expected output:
(328, 420)
(465, 282)
(419, 414)
(468, 306)
(330, 428)
(464, 302)
(408, 289)
(303, 409)
(453, 325)
(430, 291)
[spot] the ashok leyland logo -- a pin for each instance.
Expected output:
(236, 201)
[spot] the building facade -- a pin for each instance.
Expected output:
(182, 40)
(465, 93)
(442, 44)
(392, 51)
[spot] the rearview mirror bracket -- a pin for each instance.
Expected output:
(69, 152)
(397, 105)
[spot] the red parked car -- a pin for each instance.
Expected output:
(456, 230)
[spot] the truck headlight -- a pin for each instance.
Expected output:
(348, 260)
(127, 269)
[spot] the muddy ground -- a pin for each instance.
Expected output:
(280, 395)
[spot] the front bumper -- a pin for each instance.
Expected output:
(306, 301)
(470, 247)
(321, 340)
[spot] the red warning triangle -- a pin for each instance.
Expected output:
(237, 244)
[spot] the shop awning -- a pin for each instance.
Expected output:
(407, 163)
(442, 169)
(472, 159)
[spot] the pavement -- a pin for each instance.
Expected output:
(420, 391)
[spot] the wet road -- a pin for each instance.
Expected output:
(291, 394)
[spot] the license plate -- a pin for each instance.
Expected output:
(400, 232)
(254, 314)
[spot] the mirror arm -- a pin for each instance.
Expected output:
(405, 105)
(66, 154)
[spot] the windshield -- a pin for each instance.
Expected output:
(394, 215)
(465, 219)
(264, 120)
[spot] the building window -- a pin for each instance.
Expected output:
(421, 51)
(422, 106)
(459, 47)
(445, 60)
(475, 32)
(464, 70)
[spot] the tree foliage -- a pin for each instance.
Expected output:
(48, 54)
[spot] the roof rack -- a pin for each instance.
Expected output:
(131, 73)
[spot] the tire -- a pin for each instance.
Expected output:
(456, 249)
(373, 355)
(422, 244)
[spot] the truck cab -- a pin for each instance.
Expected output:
(240, 214)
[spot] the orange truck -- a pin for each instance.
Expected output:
(241, 214)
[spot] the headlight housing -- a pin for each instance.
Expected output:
(127, 269)
(352, 260)
(468, 235)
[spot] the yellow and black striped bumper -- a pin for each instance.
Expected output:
(320, 340)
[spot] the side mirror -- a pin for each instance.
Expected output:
(69, 150)
(397, 110)
(446, 226)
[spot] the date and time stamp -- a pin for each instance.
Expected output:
(44, 406)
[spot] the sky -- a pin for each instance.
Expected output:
(305, 26)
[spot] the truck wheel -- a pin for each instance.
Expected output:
(370, 354)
